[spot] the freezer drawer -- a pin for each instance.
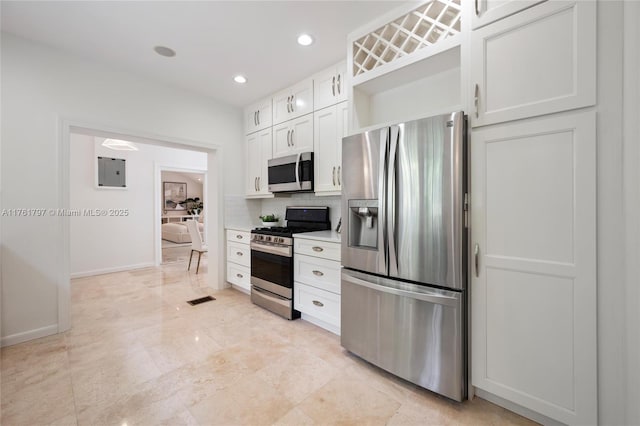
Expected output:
(412, 331)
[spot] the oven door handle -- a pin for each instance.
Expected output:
(277, 250)
(273, 297)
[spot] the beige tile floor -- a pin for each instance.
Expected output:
(139, 355)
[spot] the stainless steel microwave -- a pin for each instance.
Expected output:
(293, 173)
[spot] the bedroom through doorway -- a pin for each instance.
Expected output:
(182, 199)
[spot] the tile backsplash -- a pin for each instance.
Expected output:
(244, 213)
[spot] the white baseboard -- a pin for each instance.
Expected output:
(322, 324)
(240, 289)
(111, 270)
(518, 409)
(14, 339)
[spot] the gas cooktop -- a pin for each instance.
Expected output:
(300, 219)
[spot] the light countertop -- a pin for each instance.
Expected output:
(245, 228)
(329, 236)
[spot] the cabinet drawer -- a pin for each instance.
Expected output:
(239, 253)
(322, 249)
(317, 303)
(242, 237)
(239, 275)
(321, 273)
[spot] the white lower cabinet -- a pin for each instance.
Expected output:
(533, 285)
(239, 259)
(316, 287)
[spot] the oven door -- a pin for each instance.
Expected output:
(272, 269)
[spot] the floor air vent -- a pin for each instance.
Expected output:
(201, 300)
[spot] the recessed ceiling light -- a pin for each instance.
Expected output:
(240, 79)
(119, 145)
(305, 39)
(165, 51)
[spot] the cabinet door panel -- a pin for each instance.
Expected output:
(536, 62)
(302, 134)
(324, 149)
(488, 11)
(281, 140)
(252, 156)
(302, 99)
(534, 289)
(324, 89)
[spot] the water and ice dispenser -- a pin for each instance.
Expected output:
(363, 224)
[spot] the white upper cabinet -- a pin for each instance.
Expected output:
(539, 61)
(293, 136)
(258, 154)
(329, 86)
(329, 127)
(293, 102)
(488, 11)
(258, 116)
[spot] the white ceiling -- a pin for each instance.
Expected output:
(214, 40)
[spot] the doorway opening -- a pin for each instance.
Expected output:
(181, 199)
(147, 217)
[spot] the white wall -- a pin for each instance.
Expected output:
(631, 150)
(40, 87)
(101, 244)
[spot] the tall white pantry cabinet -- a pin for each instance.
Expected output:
(533, 207)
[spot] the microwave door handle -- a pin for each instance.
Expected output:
(298, 170)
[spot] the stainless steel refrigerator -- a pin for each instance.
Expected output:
(404, 245)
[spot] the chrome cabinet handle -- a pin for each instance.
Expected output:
(239, 253)
(338, 84)
(318, 273)
(318, 303)
(293, 103)
(476, 255)
(258, 183)
(317, 249)
(288, 143)
(334, 175)
(333, 85)
(239, 236)
(477, 9)
(239, 275)
(292, 141)
(476, 99)
(258, 117)
(288, 104)
(255, 122)
(255, 183)
(339, 167)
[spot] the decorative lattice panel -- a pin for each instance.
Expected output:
(424, 26)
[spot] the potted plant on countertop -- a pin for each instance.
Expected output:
(269, 220)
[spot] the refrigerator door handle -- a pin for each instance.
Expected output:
(394, 135)
(382, 202)
(438, 299)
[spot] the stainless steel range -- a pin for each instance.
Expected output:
(272, 258)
